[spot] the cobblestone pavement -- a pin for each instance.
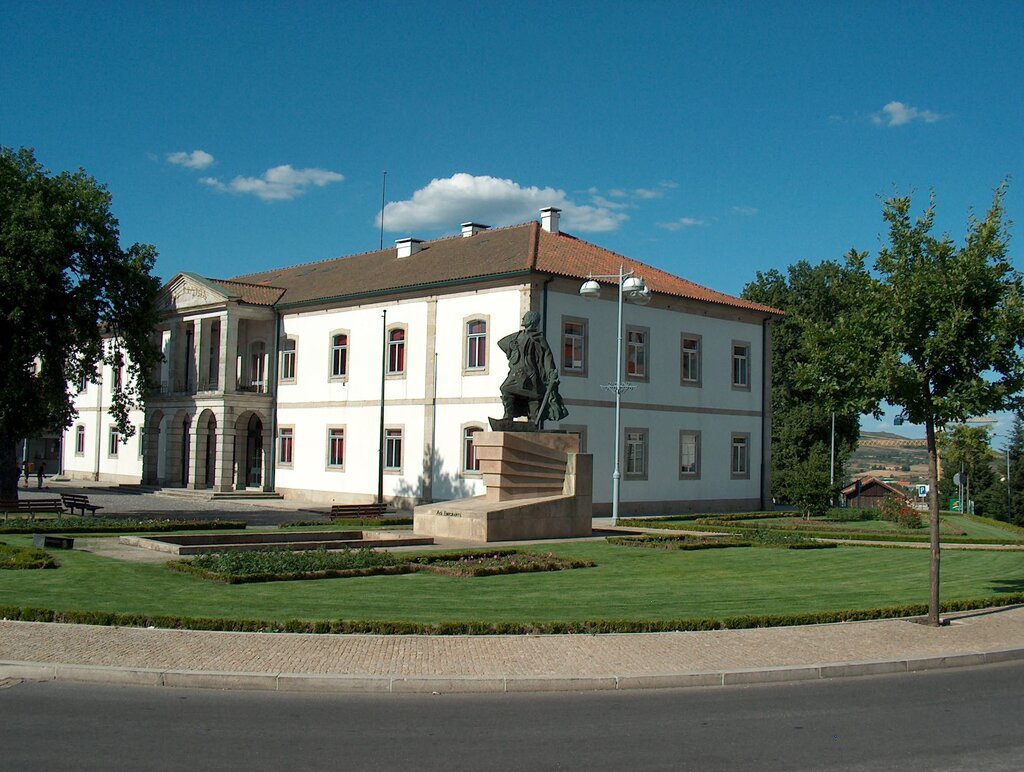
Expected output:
(487, 663)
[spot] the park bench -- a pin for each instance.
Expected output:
(73, 501)
(31, 507)
(357, 510)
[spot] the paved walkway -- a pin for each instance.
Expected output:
(380, 663)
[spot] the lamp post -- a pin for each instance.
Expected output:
(632, 288)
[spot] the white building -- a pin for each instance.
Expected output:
(274, 380)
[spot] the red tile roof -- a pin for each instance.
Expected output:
(517, 249)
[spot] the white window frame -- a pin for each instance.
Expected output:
(289, 351)
(693, 356)
(636, 351)
(286, 433)
(573, 341)
(740, 364)
(475, 343)
(397, 345)
(635, 437)
(333, 433)
(739, 456)
(689, 474)
(79, 440)
(469, 450)
(394, 436)
(336, 352)
(113, 442)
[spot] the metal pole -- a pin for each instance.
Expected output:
(832, 457)
(383, 374)
(618, 407)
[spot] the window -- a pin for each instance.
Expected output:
(257, 365)
(636, 454)
(689, 360)
(476, 344)
(114, 443)
(79, 440)
(574, 346)
(740, 467)
(740, 365)
(142, 443)
(336, 448)
(83, 383)
(689, 455)
(636, 353)
(396, 351)
(285, 445)
(118, 368)
(288, 360)
(578, 431)
(470, 462)
(339, 355)
(393, 450)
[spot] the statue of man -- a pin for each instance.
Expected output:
(531, 388)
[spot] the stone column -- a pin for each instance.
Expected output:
(224, 479)
(196, 459)
(228, 346)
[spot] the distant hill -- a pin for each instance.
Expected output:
(889, 456)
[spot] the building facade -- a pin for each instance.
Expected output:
(344, 379)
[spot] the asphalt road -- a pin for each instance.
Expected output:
(965, 719)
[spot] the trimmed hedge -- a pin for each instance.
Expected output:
(114, 525)
(589, 627)
(281, 565)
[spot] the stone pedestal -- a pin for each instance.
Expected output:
(538, 487)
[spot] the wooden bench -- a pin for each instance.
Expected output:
(31, 507)
(357, 510)
(73, 501)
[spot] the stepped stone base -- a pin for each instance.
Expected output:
(538, 487)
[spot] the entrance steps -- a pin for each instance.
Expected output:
(202, 494)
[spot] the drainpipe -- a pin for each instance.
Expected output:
(99, 424)
(765, 406)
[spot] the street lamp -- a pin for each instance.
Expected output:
(633, 289)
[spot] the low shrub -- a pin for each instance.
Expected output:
(682, 542)
(286, 565)
(73, 524)
(25, 557)
(898, 511)
(385, 627)
(493, 563)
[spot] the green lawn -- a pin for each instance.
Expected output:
(627, 583)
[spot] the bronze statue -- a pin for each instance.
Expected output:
(531, 388)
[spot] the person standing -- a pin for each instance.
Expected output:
(27, 469)
(40, 469)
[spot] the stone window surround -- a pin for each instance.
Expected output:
(79, 440)
(695, 475)
(581, 372)
(281, 429)
(398, 374)
(466, 472)
(113, 442)
(698, 381)
(466, 369)
(400, 428)
(341, 377)
(293, 341)
(644, 377)
(732, 365)
(578, 429)
(645, 444)
(344, 447)
(733, 445)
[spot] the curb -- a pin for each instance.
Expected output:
(358, 684)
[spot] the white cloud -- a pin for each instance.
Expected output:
(444, 203)
(280, 183)
(746, 211)
(899, 114)
(682, 222)
(197, 159)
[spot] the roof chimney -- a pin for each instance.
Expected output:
(472, 228)
(409, 246)
(549, 219)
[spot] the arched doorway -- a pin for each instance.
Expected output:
(254, 452)
(152, 460)
(207, 437)
(186, 449)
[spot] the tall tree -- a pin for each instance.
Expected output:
(802, 413)
(965, 449)
(66, 286)
(945, 325)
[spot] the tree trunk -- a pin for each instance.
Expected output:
(9, 472)
(933, 519)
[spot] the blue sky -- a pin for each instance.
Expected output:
(711, 140)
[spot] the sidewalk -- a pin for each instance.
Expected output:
(380, 663)
(383, 663)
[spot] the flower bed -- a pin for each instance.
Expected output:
(285, 565)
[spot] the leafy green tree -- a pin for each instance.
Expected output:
(966, 449)
(66, 285)
(944, 325)
(802, 413)
(1016, 452)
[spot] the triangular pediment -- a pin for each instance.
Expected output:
(189, 290)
